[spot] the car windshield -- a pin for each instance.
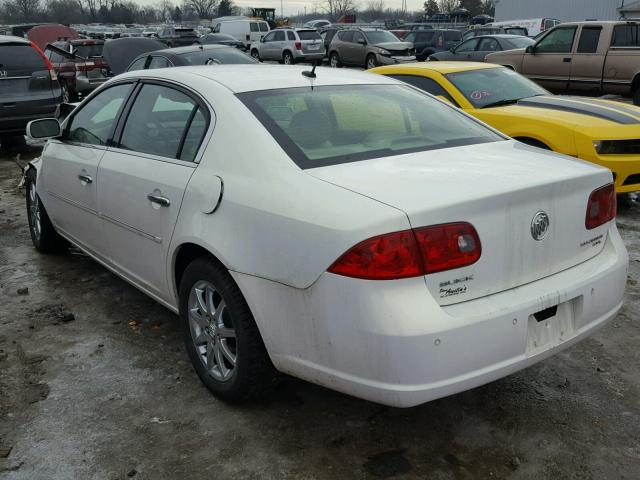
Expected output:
(227, 55)
(88, 51)
(381, 36)
(309, 35)
(521, 42)
(339, 124)
(494, 86)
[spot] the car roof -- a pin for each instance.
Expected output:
(443, 67)
(12, 39)
(248, 78)
(189, 49)
(501, 35)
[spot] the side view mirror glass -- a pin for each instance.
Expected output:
(43, 128)
(531, 49)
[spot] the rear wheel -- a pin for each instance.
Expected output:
(221, 337)
(371, 61)
(287, 58)
(334, 60)
(43, 235)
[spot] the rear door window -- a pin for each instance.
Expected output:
(589, 38)
(160, 122)
(308, 35)
(253, 26)
(346, 36)
(489, 45)
(468, 46)
(291, 36)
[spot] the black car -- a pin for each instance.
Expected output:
(29, 88)
(177, 36)
(221, 39)
(194, 55)
(428, 42)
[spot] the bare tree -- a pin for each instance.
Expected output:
(448, 5)
(165, 8)
(90, 9)
(24, 10)
(204, 8)
(338, 8)
(376, 6)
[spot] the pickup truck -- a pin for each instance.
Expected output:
(582, 57)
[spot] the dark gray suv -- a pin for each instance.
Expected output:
(29, 88)
(369, 48)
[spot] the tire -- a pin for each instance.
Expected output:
(234, 336)
(255, 54)
(334, 60)
(43, 235)
(287, 58)
(636, 96)
(371, 62)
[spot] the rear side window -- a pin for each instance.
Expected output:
(425, 84)
(94, 122)
(254, 27)
(346, 36)
(264, 27)
(625, 36)
(22, 59)
(160, 122)
(307, 35)
(589, 38)
(291, 36)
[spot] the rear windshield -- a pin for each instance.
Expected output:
(309, 35)
(88, 51)
(222, 55)
(186, 32)
(21, 57)
(339, 124)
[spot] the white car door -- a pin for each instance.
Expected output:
(70, 173)
(143, 179)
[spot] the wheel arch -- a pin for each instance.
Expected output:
(534, 142)
(183, 255)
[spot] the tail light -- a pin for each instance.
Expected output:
(85, 67)
(298, 45)
(601, 207)
(542, 26)
(52, 73)
(411, 253)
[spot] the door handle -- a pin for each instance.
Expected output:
(159, 199)
(567, 60)
(85, 178)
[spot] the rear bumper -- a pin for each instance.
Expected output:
(308, 57)
(391, 343)
(85, 85)
(14, 120)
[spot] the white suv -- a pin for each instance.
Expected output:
(289, 45)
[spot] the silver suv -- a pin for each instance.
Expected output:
(369, 48)
(289, 45)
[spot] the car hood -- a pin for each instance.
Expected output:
(119, 53)
(580, 113)
(394, 45)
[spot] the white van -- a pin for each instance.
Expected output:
(246, 31)
(534, 26)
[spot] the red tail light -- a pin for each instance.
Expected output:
(542, 26)
(52, 72)
(85, 67)
(298, 45)
(601, 207)
(411, 253)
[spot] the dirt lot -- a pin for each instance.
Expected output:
(95, 384)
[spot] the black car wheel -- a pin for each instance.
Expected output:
(287, 58)
(255, 54)
(371, 61)
(43, 235)
(221, 337)
(334, 60)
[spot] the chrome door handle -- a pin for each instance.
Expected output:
(159, 199)
(85, 178)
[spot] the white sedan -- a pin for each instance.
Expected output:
(346, 229)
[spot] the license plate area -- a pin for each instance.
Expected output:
(550, 327)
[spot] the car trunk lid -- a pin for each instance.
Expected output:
(499, 188)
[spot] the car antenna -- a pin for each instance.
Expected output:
(311, 75)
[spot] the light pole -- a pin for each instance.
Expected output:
(282, 9)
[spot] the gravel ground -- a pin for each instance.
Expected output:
(95, 384)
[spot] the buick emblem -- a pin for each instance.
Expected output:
(540, 225)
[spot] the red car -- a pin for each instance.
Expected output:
(79, 66)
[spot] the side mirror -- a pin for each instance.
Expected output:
(43, 128)
(531, 49)
(362, 41)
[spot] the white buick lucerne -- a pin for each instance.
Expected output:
(340, 227)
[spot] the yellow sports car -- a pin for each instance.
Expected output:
(600, 131)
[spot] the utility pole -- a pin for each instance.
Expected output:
(282, 9)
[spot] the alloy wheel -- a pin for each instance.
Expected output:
(287, 59)
(212, 330)
(371, 62)
(333, 61)
(34, 210)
